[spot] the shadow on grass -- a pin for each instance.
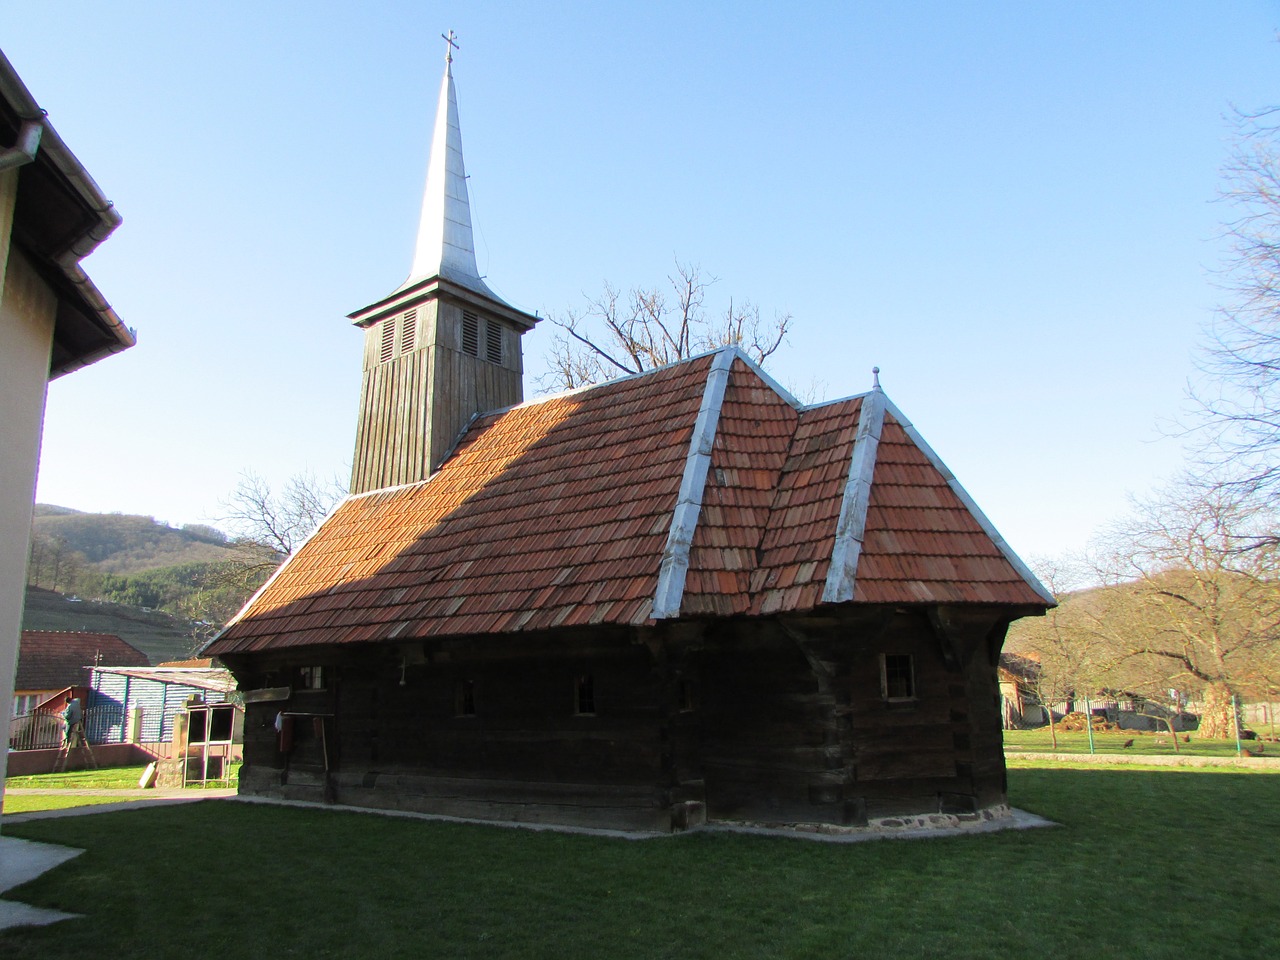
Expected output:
(1145, 864)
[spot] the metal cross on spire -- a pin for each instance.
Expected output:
(451, 44)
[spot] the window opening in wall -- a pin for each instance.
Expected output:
(897, 676)
(388, 340)
(221, 723)
(470, 334)
(685, 696)
(584, 696)
(493, 341)
(464, 698)
(310, 678)
(197, 730)
(409, 332)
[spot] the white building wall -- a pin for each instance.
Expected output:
(27, 313)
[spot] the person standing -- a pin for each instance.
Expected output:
(72, 723)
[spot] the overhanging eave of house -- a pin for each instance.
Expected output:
(60, 217)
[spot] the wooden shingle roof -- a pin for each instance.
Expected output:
(699, 489)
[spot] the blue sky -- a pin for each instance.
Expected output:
(1007, 207)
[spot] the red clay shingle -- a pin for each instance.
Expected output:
(53, 659)
(556, 513)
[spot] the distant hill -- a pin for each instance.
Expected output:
(162, 583)
(121, 543)
(159, 635)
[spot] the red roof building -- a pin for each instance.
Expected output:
(50, 661)
(567, 512)
(675, 597)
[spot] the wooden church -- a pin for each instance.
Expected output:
(675, 598)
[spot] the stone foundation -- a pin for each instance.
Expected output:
(886, 826)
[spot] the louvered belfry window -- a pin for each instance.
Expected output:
(470, 334)
(493, 341)
(409, 332)
(388, 340)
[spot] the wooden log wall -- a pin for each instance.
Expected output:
(763, 721)
(795, 727)
(526, 754)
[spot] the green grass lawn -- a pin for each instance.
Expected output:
(1151, 744)
(109, 782)
(27, 804)
(116, 778)
(1160, 864)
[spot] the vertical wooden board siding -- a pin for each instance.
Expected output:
(414, 406)
(376, 428)
(406, 465)
(360, 463)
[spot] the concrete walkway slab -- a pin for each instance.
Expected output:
(20, 862)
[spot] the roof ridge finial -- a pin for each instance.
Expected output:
(450, 44)
(875, 378)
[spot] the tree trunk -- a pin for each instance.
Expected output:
(1218, 721)
(1168, 722)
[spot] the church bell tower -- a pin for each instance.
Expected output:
(443, 347)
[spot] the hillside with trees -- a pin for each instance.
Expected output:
(116, 563)
(1184, 608)
(161, 636)
(120, 543)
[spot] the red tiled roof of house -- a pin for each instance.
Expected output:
(573, 511)
(53, 659)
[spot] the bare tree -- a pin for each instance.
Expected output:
(1240, 400)
(1192, 602)
(619, 334)
(271, 524)
(280, 520)
(52, 564)
(1064, 661)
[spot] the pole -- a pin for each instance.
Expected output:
(1088, 722)
(1235, 723)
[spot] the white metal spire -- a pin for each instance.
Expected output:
(445, 245)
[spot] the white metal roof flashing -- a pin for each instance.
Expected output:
(444, 251)
(852, 524)
(445, 245)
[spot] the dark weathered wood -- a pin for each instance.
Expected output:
(414, 405)
(789, 725)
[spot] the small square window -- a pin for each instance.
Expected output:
(897, 677)
(464, 698)
(687, 700)
(585, 696)
(310, 678)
